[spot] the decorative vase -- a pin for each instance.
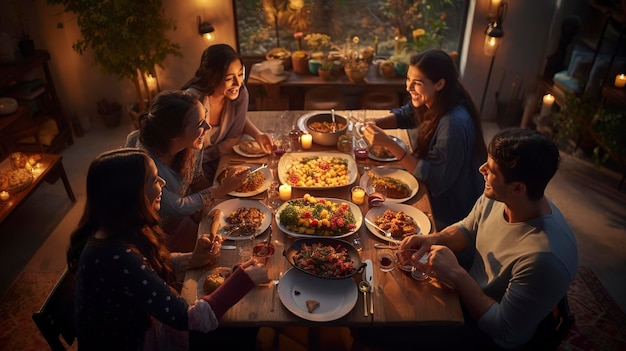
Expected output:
(300, 62)
(356, 72)
(314, 66)
(324, 73)
(281, 54)
(388, 69)
(401, 69)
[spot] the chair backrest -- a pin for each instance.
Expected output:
(553, 329)
(55, 318)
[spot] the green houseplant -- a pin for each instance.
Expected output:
(608, 128)
(128, 38)
(573, 121)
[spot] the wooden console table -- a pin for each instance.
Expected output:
(50, 169)
(296, 85)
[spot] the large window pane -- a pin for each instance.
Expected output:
(266, 24)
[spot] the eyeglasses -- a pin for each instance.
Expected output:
(205, 125)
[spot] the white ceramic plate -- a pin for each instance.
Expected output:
(389, 159)
(399, 174)
(268, 179)
(356, 211)
(240, 152)
(419, 217)
(288, 158)
(229, 206)
(337, 297)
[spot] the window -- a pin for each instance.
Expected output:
(380, 24)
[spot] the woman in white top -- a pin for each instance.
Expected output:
(219, 85)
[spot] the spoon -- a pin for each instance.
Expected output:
(332, 116)
(364, 287)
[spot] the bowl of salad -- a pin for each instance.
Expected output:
(324, 258)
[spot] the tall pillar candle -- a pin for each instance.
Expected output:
(284, 192)
(620, 80)
(306, 140)
(546, 105)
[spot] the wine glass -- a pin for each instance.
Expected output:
(272, 198)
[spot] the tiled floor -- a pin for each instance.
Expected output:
(36, 234)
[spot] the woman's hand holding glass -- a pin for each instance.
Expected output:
(377, 136)
(206, 251)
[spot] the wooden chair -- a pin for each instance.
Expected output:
(55, 318)
(553, 329)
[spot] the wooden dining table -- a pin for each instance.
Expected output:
(398, 299)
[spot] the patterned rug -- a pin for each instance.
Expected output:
(600, 323)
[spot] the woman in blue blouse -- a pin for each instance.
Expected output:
(124, 299)
(449, 146)
(173, 131)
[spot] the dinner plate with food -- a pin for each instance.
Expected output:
(399, 184)
(256, 183)
(317, 170)
(311, 217)
(381, 153)
(316, 299)
(328, 258)
(400, 220)
(249, 148)
(242, 218)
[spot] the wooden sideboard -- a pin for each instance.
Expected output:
(289, 93)
(43, 107)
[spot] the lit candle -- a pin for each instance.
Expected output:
(284, 192)
(306, 140)
(620, 80)
(358, 195)
(546, 106)
(151, 80)
(4, 196)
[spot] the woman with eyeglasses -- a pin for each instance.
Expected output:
(219, 85)
(173, 131)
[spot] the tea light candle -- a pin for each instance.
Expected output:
(306, 140)
(284, 192)
(358, 195)
(4, 196)
(620, 80)
(546, 106)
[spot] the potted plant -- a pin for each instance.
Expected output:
(325, 70)
(608, 128)
(128, 42)
(572, 123)
(401, 62)
(110, 112)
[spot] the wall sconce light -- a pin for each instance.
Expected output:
(205, 29)
(493, 38)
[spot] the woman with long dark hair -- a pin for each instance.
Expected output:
(124, 272)
(219, 85)
(173, 132)
(449, 144)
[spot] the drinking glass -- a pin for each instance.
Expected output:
(408, 264)
(244, 248)
(272, 197)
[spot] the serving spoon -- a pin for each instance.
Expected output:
(364, 287)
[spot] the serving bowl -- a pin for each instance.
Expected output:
(326, 138)
(7, 106)
(352, 254)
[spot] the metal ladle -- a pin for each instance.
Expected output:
(364, 287)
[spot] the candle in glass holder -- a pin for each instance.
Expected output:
(546, 106)
(306, 140)
(4, 196)
(620, 80)
(284, 192)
